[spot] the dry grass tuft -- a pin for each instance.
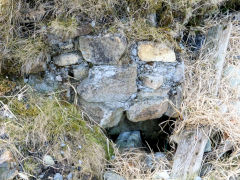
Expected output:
(64, 28)
(202, 108)
(132, 165)
(42, 124)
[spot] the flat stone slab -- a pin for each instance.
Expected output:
(104, 115)
(151, 51)
(103, 50)
(147, 109)
(109, 83)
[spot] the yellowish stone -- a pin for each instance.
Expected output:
(150, 51)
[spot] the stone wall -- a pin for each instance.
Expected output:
(115, 80)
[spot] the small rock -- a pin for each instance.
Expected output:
(23, 176)
(44, 85)
(130, 139)
(232, 74)
(197, 178)
(160, 175)
(48, 160)
(93, 23)
(158, 156)
(59, 78)
(6, 169)
(58, 176)
(179, 73)
(147, 109)
(112, 176)
(41, 176)
(80, 72)
(151, 81)
(67, 59)
(176, 100)
(63, 145)
(109, 83)
(208, 147)
(102, 50)
(150, 51)
(70, 176)
(67, 45)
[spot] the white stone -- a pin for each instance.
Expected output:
(23, 176)
(160, 175)
(48, 160)
(112, 176)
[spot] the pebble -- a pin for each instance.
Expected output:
(41, 176)
(48, 160)
(161, 175)
(58, 176)
(112, 176)
(59, 78)
(69, 176)
(198, 178)
(63, 145)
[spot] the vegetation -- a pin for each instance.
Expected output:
(39, 125)
(24, 24)
(42, 124)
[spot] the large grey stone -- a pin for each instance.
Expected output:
(112, 176)
(128, 140)
(102, 50)
(109, 83)
(67, 59)
(152, 159)
(147, 109)
(105, 115)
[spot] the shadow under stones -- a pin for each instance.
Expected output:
(154, 133)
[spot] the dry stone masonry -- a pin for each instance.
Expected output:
(115, 80)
